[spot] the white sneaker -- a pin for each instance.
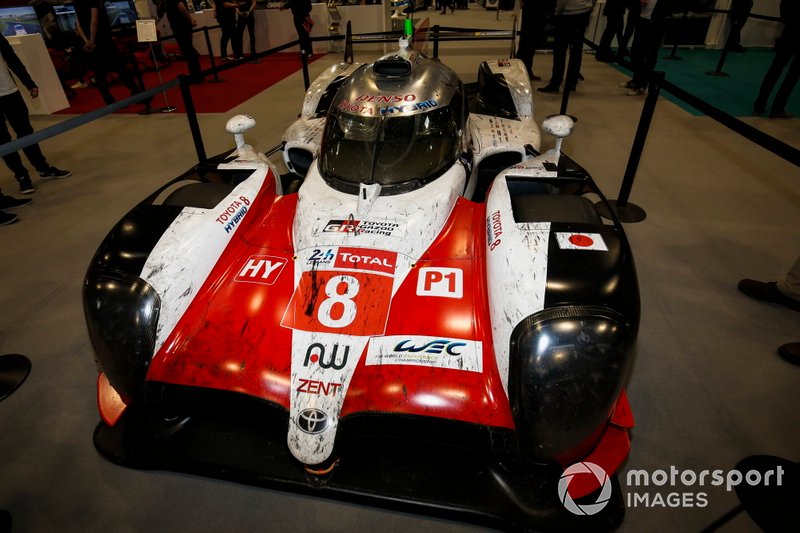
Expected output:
(79, 85)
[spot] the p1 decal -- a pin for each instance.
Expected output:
(437, 352)
(442, 282)
(581, 241)
(363, 259)
(263, 269)
(347, 303)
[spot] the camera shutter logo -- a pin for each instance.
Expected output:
(589, 508)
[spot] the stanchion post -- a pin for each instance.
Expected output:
(304, 61)
(191, 115)
(718, 71)
(211, 54)
(626, 211)
(435, 41)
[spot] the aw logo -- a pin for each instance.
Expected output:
(582, 469)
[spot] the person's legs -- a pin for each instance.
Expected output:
(783, 94)
(562, 35)
(237, 40)
(227, 28)
(17, 115)
(639, 53)
(190, 55)
(614, 12)
(577, 27)
(99, 66)
(790, 285)
(250, 22)
(783, 54)
(13, 160)
(303, 36)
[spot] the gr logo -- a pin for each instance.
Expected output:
(590, 508)
(442, 282)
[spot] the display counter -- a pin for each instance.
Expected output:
(274, 27)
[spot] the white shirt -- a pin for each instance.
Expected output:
(7, 83)
(647, 9)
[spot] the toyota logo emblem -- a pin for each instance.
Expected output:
(312, 421)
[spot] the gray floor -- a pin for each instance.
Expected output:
(707, 390)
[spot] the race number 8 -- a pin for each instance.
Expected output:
(348, 306)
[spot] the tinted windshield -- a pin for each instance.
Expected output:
(390, 149)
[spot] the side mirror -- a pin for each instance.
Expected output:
(560, 126)
(237, 125)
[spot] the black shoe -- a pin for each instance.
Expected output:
(759, 108)
(791, 352)
(767, 292)
(604, 57)
(738, 49)
(25, 185)
(7, 218)
(780, 114)
(9, 202)
(549, 88)
(54, 173)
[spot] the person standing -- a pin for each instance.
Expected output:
(226, 17)
(301, 16)
(15, 112)
(572, 18)
(740, 11)
(534, 17)
(614, 11)
(245, 18)
(182, 22)
(787, 48)
(94, 28)
(647, 39)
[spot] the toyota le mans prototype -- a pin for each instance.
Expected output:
(424, 311)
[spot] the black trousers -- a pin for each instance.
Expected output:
(787, 48)
(184, 40)
(530, 33)
(569, 35)
(227, 27)
(15, 112)
(303, 36)
(644, 52)
(244, 21)
(615, 23)
(107, 58)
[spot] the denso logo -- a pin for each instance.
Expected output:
(361, 259)
(386, 98)
(263, 269)
(316, 354)
(435, 347)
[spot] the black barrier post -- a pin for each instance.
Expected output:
(674, 54)
(718, 72)
(191, 115)
(435, 41)
(628, 212)
(211, 54)
(304, 61)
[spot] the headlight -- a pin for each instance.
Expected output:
(121, 313)
(567, 368)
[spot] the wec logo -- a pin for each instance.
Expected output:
(589, 508)
(435, 347)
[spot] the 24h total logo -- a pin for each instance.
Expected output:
(589, 508)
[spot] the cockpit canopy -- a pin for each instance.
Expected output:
(400, 127)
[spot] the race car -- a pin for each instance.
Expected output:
(425, 311)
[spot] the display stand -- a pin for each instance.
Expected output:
(146, 33)
(33, 53)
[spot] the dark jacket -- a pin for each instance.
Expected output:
(300, 8)
(14, 64)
